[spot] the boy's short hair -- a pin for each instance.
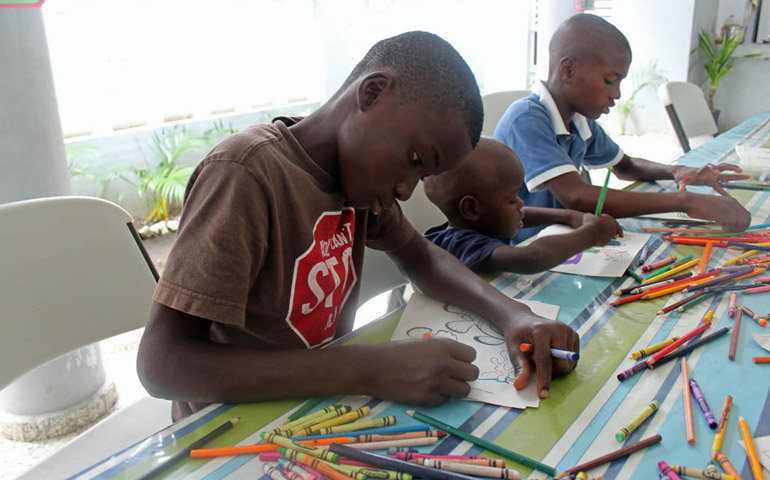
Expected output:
(477, 174)
(580, 35)
(431, 71)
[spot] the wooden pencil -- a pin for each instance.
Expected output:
(604, 459)
(687, 400)
(734, 337)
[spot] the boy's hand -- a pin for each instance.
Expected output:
(575, 218)
(724, 210)
(543, 334)
(425, 371)
(603, 227)
(709, 175)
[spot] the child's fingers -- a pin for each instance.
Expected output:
(541, 357)
(463, 371)
(461, 351)
(521, 367)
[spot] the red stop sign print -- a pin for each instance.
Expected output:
(323, 278)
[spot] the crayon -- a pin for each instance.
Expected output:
(409, 456)
(698, 473)
(761, 321)
(761, 359)
(709, 315)
(727, 466)
(321, 416)
(668, 267)
(653, 348)
(487, 462)
(720, 434)
(634, 275)
(420, 427)
(300, 447)
(400, 436)
(360, 425)
(340, 420)
(733, 304)
(258, 448)
(475, 470)
(657, 356)
(638, 419)
(658, 264)
(734, 337)
(635, 368)
(317, 464)
(306, 407)
(643, 256)
(740, 257)
(287, 464)
(388, 463)
(384, 445)
(483, 443)
(703, 404)
(688, 421)
(273, 472)
(666, 470)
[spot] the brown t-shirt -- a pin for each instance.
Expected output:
(267, 248)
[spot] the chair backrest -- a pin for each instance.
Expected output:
(73, 274)
(380, 274)
(688, 111)
(495, 105)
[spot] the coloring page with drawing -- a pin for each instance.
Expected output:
(495, 383)
(611, 260)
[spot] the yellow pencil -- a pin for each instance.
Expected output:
(674, 271)
(741, 257)
(704, 260)
(756, 468)
(720, 435)
(678, 288)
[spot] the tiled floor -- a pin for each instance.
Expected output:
(120, 352)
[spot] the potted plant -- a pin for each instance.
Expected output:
(718, 60)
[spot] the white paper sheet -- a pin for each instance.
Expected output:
(763, 339)
(753, 159)
(609, 261)
(495, 382)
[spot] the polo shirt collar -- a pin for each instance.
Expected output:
(553, 111)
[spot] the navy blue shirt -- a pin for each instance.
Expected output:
(469, 246)
(534, 129)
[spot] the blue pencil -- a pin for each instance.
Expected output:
(748, 246)
(421, 427)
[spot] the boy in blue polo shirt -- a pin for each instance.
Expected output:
(554, 132)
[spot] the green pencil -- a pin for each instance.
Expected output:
(301, 411)
(603, 194)
(483, 443)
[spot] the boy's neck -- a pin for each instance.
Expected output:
(555, 89)
(317, 134)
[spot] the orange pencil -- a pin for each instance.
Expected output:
(262, 447)
(761, 359)
(689, 425)
(748, 442)
(704, 259)
(676, 288)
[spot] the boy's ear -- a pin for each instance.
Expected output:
(371, 89)
(469, 208)
(566, 69)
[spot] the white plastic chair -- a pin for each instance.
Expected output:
(380, 274)
(495, 105)
(74, 274)
(688, 111)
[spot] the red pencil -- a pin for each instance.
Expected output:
(734, 338)
(657, 356)
(681, 302)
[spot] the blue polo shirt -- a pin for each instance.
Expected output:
(469, 246)
(534, 129)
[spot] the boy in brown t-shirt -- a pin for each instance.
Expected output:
(268, 255)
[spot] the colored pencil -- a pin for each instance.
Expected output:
(384, 445)
(761, 359)
(656, 273)
(762, 289)
(704, 259)
(751, 451)
(750, 246)
(492, 447)
(185, 452)
(647, 285)
(301, 411)
(681, 302)
(691, 346)
(688, 421)
(720, 434)
(734, 338)
(718, 280)
(620, 453)
(657, 356)
(260, 448)
(603, 193)
(316, 463)
(741, 257)
(388, 463)
(300, 447)
(675, 270)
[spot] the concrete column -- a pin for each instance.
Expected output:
(68, 393)
(552, 14)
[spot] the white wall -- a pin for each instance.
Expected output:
(745, 91)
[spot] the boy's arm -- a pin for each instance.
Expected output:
(536, 216)
(177, 361)
(547, 252)
(572, 192)
(631, 168)
(441, 276)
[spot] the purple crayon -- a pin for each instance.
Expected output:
(635, 368)
(703, 404)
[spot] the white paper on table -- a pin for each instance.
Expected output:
(763, 339)
(495, 383)
(753, 158)
(762, 446)
(666, 216)
(609, 261)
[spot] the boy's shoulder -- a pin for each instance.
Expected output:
(526, 111)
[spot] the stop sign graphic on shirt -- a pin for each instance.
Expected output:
(323, 278)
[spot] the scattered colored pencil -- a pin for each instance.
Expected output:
(603, 193)
(688, 421)
(751, 451)
(620, 453)
(734, 338)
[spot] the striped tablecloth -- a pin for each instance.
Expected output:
(579, 420)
